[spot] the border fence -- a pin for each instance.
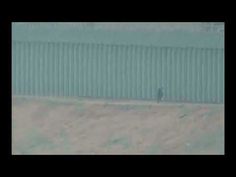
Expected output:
(118, 71)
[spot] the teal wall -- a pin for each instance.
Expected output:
(187, 73)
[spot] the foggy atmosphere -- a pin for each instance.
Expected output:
(101, 88)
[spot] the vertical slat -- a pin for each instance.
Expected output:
(145, 83)
(62, 70)
(42, 72)
(39, 69)
(139, 72)
(50, 74)
(35, 68)
(215, 75)
(207, 76)
(23, 76)
(221, 76)
(56, 68)
(95, 70)
(105, 73)
(198, 70)
(187, 72)
(168, 51)
(92, 70)
(218, 75)
(21, 68)
(204, 75)
(129, 71)
(133, 71)
(109, 73)
(52, 64)
(65, 62)
(95, 67)
(118, 72)
(83, 70)
(151, 81)
(30, 69)
(148, 69)
(202, 92)
(182, 70)
(49, 63)
(113, 71)
(191, 62)
(73, 71)
(212, 86)
(46, 65)
(45, 73)
(126, 71)
(98, 71)
(165, 74)
(144, 72)
(89, 72)
(123, 71)
(86, 70)
(13, 68)
(178, 65)
(65, 65)
(193, 76)
(158, 70)
(113, 66)
(77, 63)
(98, 55)
(16, 66)
(153, 68)
(173, 75)
(73, 68)
(121, 74)
(69, 72)
(26, 68)
(103, 70)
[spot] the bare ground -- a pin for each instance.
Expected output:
(79, 126)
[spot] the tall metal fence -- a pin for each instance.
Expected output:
(118, 71)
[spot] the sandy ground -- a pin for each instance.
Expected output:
(79, 126)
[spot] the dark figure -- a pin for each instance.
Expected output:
(159, 94)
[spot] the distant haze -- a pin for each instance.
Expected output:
(141, 26)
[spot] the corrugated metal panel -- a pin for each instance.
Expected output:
(118, 71)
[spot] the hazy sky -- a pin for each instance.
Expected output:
(143, 26)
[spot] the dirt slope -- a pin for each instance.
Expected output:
(76, 126)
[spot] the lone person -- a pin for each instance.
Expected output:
(159, 94)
